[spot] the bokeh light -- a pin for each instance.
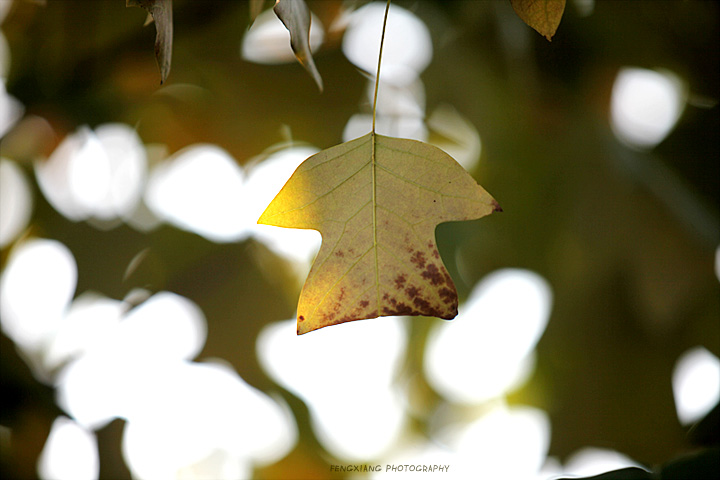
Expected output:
(455, 135)
(419, 452)
(96, 174)
(70, 453)
(696, 384)
(268, 40)
(407, 50)
(90, 319)
(199, 189)
(505, 443)
(345, 375)
(398, 101)
(10, 109)
(15, 201)
(128, 356)
(404, 127)
(487, 350)
(139, 296)
(584, 8)
(203, 190)
(400, 112)
(36, 269)
(645, 105)
(203, 417)
(181, 416)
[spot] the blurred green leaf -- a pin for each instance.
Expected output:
(161, 12)
(295, 15)
(542, 15)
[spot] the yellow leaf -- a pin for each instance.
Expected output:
(376, 201)
(542, 15)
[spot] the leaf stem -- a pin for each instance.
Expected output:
(373, 160)
(377, 75)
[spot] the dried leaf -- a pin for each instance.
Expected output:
(295, 15)
(542, 15)
(161, 12)
(376, 201)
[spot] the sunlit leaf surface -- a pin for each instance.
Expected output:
(376, 201)
(542, 15)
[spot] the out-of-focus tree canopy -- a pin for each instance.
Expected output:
(143, 310)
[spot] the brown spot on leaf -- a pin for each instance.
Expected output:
(496, 206)
(434, 250)
(447, 295)
(422, 304)
(418, 259)
(439, 313)
(339, 253)
(412, 291)
(400, 281)
(408, 244)
(301, 318)
(364, 303)
(399, 309)
(433, 274)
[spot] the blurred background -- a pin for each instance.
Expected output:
(148, 324)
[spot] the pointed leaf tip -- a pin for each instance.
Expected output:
(161, 12)
(295, 15)
(542, 15)
(377, 208)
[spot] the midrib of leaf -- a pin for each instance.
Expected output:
(373, 160)
(373, 167)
